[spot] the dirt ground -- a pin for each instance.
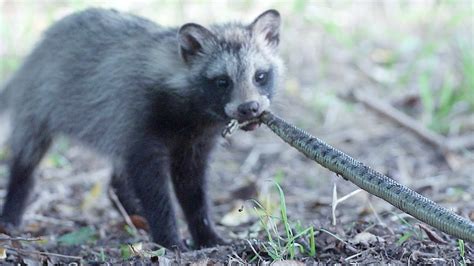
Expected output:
(348, 48)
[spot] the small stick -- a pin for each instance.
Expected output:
(436, 140)
(23, 251)
(357, 254)
(333, 235)
(450, 144)
(336, 201)
(334, 204)
(51, 220)
(31, 239)
(402, 119)
(122, 210)
(255, 251)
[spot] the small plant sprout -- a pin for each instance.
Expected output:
(294, 238)
(461, 251)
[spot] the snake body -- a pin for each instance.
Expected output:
(370, 180)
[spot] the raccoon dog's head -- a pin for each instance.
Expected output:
(237, 65)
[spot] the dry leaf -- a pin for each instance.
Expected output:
(3, 253)
(237, 216)
(365, 238)
(140, 222)
(432, 235)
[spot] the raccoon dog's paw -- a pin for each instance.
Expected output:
(212, 241)
(7, 227)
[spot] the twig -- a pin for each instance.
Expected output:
(334, 204)
(436, 140)
(333, 235)
(122, 210)
(254, 251)
(400, 118)
(23, 251)
(235, 257)
(32, 239)
(357, 254)
(51, 220)
(349, 195)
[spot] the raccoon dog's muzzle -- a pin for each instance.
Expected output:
(248, 109)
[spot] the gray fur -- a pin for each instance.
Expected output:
(3, 99)
(66, 92)
(124, 86)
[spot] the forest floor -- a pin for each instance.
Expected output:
(71, 218)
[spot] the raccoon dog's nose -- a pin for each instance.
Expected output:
(248, 110)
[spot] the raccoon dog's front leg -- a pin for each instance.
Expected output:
(127, 197)
(188, 170)
(148, 172)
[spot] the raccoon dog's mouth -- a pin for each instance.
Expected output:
(249, 125)
(235, 124)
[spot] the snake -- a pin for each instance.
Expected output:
(368, 179)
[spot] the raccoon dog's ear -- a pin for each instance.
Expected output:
(267, 25)
(193, 39)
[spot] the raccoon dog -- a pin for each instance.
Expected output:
(151, 99)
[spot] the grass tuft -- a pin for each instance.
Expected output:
(285, 238)
(462, 252)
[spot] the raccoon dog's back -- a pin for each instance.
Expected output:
(89, 75)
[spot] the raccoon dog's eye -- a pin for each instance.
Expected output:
(223, 82)
(261, 77)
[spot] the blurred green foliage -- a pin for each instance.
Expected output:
(425, 43)
(78, 237)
